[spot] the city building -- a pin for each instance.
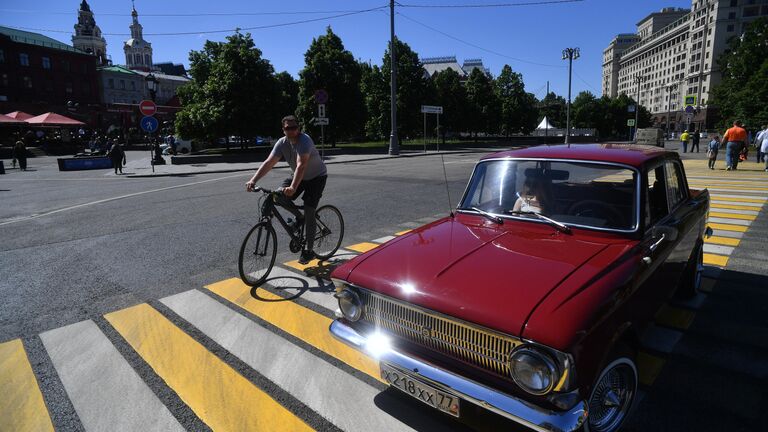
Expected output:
(87, 37)
(673, 59)
(470, 64)
(138, 52)
(120, 85)
(433, 65)
(167, 86)
(169, 68)
(39, 74)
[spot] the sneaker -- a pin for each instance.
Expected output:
(727, 168)
(306, 257)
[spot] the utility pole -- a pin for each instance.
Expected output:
(638, 79)
(546, 120)
(569, 54)
(394, 146)
(669, 103)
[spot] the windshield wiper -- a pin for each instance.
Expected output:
(559, 225)
(489, 216)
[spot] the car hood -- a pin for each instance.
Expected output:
(470, 268)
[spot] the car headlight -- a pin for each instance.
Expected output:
(350, 304)
(533, 370)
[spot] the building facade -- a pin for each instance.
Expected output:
(675, 59)
(138, 52)
(433, 65)
(120, 85)
(87, 37)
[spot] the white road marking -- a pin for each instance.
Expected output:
(101, 201)
(718, 249)
(761, 194)
(661, 339)
(724, 233)
(757, 206)
(104, 389)
(730, 221)
(744, 212)
(383, 239)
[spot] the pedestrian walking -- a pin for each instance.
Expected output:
(117, 155)
(684, 137)
(735, 140)
(758, 141)
(762, 142)
(695, 138)
(20, 154)
(712, 149)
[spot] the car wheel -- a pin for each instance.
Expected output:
(612, 395)
(691, 282)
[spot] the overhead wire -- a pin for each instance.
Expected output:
(491, 5)
(191, 14)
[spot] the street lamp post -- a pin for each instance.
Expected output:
(394, 145)
(669, 103)
(639, 79)
(152, 83)
(569, 54)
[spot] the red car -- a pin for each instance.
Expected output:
(531, 299)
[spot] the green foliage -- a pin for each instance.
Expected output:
(329, 66)
(288, 90)
(233, 92)
(483, 107)
(518, 111)
(452, 96)
(412, 90)
(553, 107)
(743, 91)
(376, 98)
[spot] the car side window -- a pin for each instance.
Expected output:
(656, 196)
(676, 191)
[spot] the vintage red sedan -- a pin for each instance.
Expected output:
(531, 299)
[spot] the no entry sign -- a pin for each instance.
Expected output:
(147, 108)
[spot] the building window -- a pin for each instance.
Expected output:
(133, 85)
(731, 15)
(65, 65)
(729, 28)
(46, 63)
(122, 85)
(147, 60)
(111, 83)
(27, 82)
(68, 88)
(734, 3)
(24, 59)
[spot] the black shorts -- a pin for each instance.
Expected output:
(312, 189)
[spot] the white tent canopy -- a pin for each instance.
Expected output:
(545, 124)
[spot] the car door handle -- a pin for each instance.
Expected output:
(657, 243)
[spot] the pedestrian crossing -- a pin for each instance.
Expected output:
(239, 358)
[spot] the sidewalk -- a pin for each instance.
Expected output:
(139, 167)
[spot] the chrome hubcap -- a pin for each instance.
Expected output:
(612, 398)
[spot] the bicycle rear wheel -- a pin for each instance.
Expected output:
(330, 231)
(257, 254)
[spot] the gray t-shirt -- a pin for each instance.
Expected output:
(287, 151)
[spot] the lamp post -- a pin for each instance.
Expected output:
(639, 79)
(569, 54)
(669, 103)
(152, 83)
(155, 148)
(394, 145)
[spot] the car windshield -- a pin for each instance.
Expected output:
(573, 193)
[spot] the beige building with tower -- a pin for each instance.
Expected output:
(673, 57)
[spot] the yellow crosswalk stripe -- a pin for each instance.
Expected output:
(732, 216)
(218, 394)
(301, 267)
(734, 207)
(648, 367)
(726, 241)
(734, 198)
(674, 317)
(362, 247)
(727, 227)
(403, 232)
(717, 260)
(305, 324)
(22, 407)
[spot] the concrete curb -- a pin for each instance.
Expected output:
(187, 173)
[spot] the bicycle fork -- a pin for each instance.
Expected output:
(261, 251)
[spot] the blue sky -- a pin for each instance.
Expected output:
(519, 36)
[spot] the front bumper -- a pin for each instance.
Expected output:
(520, 411)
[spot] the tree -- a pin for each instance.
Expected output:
(233, 92)
(744, 87)
(330, 67)
(376, 99)
(452, 96)
(483, 106)
(288, 91)
(517, 113)
(412, 89)
(553, 107)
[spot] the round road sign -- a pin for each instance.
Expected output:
(147, 108)
(149, 124)
(321, 96)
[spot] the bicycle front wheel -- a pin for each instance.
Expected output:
(257, 254)
(330, 231)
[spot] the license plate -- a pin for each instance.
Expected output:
(427, 394)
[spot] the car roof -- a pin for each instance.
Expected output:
(622, 153)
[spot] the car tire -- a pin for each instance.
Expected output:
(691, 282)
(613, 393)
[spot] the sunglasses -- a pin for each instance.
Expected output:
(290, 128)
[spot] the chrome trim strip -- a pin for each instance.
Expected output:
(520, 411)
(638, 191)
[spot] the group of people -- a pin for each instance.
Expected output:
(736, 143)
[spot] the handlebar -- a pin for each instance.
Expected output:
(265, 190)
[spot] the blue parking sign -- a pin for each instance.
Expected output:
(149, 124)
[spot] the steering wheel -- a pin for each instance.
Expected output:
(596, 209)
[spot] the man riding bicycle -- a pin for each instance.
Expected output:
(308, 177)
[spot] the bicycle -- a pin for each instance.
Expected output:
(259, 248)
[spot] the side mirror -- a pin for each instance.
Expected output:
(669, 233)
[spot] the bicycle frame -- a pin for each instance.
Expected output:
(269, 211)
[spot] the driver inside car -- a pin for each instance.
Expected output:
(535, 196)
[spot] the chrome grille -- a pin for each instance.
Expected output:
(472, 344)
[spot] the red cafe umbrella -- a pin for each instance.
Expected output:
(5, 120)
(53, 119)
(19, 115)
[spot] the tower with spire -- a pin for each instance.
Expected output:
(87, 37)
(138, 52)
